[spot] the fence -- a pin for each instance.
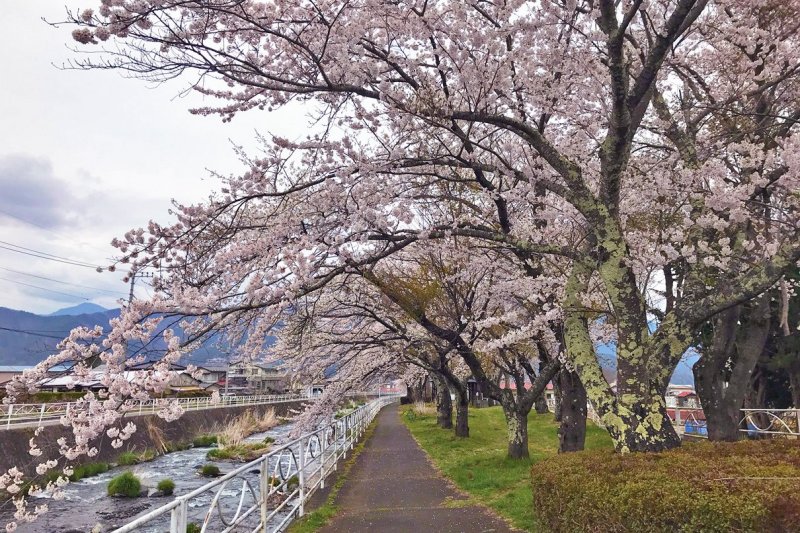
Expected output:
(754, 422)
(274, 488)
(22, 415)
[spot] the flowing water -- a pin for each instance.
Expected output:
(87, 505)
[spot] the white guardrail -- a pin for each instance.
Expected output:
(774, 422)
(26, 415)
(265, 494)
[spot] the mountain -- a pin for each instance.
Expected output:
(27, 338)
(86, 308)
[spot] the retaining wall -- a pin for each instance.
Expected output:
(151, 433)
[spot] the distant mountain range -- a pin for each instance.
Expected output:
(28, 338)
(87, 308)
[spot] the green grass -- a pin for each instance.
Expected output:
(320, 517)
(127, 459)
(478, 465)
(246, 451)
(210, 471)
(88, 470)
(167, 486)
(125, 484)
(204, 441)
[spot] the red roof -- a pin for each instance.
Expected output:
(685, 393)
(687, 414)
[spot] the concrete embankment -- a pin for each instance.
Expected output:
(152, 433)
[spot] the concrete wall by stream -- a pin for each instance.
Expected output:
(152, 432)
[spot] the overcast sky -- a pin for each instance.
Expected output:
(85, 156)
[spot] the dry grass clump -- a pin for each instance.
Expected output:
(424, 409)
(235, 431)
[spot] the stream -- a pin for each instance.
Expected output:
(87, 505)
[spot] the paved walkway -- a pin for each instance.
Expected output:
(393, 488)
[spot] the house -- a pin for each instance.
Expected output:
(681, 396)
(181, 382)
(257, 378)
(9, 372)
(507, 382)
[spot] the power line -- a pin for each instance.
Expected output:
(13, 330)
(41, 255)
(48, 254)
(62, 282)
(45, 289)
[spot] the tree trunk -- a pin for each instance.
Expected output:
(462, 409)
(444, 406)
(517, 424)
(557, 394)
(794, 384)
(541, 405)
(646, 429)
(723, 374)
(572, 401)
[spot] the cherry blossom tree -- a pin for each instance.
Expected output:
(553, 131)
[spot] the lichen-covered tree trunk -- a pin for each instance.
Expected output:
(517, 426)
(462, 410)
(444, 405)
(571, 399)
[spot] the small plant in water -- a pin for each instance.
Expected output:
(125, 484)
(193, 527)
(167, 486)
(210, 471)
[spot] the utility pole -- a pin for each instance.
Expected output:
(133, 282)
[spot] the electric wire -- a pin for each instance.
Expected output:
(45, 289)
(62, 282)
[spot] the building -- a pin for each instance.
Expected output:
(683, 396)
(256, 378)
(9, 372)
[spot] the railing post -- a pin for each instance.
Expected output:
(41, 414)
(264, 482)
(179, 519)
(10, 411)
(301, 478)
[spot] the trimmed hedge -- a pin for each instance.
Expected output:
(704, 486)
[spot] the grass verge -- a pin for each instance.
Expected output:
(320, 517)
(478, 465)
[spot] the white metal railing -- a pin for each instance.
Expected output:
(770, 422)
(754, 422)
(26, 415)
(287, 477)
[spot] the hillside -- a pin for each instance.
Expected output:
(27, 338)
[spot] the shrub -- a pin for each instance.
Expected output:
(743, 486)
(193, 527)
(125, 484)
(204, 441)
(268, 440)
(88, 470)
(127, 459)
(210, 471)
(292, 483)
(167, 486)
